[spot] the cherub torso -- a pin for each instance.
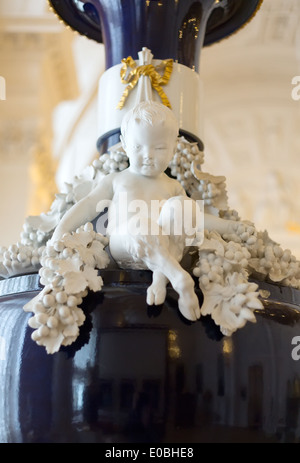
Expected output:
(134, 193)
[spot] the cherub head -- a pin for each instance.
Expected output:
(148, 135)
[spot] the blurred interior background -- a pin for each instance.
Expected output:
(49, 78)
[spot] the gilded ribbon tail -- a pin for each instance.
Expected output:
(131, 79)
(126, 92)
(157, 80)
(168, 68)
(161, 93)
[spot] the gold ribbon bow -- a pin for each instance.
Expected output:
(157, 80)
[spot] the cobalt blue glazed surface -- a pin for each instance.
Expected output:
(141, 374)
(169, 28)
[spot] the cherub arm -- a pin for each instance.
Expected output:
(215, 223)
(86, 209)
(211, 222)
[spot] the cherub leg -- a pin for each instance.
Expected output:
(176, 245)
(153, 251)
(160, 261)
(176, 233)
(156, 293)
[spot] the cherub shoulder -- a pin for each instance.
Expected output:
(176, 186)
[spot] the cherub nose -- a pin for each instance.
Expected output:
(148, 153)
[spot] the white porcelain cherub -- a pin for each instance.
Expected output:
(149, 134)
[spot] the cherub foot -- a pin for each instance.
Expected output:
(156, 293)
(188, 305)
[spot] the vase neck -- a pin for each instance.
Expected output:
(169, 28)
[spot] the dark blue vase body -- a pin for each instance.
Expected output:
(144, 375)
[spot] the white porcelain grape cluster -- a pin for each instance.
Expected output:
(232, 305)
(180, 165)
(24, 256)
(229, 298)
(243, 232)
(19, 259)
(37, 230)
(32, 237)
(69, 270)
(270, 261)
(209, 191)
(213, 268)
(115, 161)
(56, 320)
